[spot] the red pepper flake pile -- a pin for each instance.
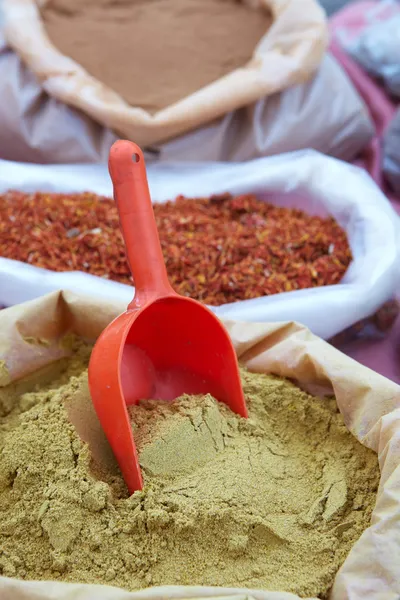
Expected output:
(219, 249)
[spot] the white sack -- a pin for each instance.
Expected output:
(319, 184)
(325, 113)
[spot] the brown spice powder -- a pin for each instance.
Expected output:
(273, 502)
(156, 52)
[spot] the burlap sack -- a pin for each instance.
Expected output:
(369, 403)
(288, 54)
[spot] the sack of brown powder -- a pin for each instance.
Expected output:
(30, 339)
(154, 70)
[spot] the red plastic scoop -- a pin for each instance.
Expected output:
(164, 345)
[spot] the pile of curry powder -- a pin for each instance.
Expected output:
(272, 502)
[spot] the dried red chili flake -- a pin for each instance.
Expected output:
(219, 249)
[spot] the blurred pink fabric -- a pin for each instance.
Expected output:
(381, 355)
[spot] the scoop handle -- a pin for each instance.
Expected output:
(131, 193)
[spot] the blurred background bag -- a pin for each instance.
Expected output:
(323, 112)
(289, 52)
(377, 48)
(391, 153)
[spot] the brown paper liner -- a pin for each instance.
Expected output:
(30, 336)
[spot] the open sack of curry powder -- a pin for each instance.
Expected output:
(164, 86)
(39, 524)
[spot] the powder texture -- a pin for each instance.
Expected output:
(156, 52)
(275, 501)
(4, 374)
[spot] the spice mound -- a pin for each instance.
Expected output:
(156, 53)
(217, 250)
(273, 502)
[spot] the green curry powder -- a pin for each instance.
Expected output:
(274, 502)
